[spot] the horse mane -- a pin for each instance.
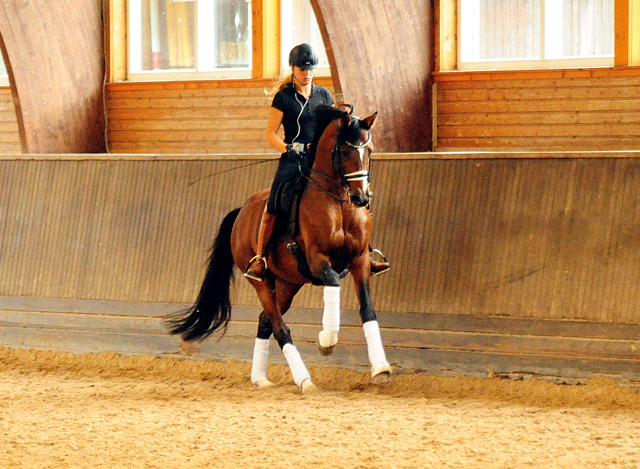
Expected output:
(325, 115)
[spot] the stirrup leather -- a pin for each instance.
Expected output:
(252, 276)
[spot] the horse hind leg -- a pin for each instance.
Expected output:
(261, 353)
(284, 296)
(380, 367)
(271, 322)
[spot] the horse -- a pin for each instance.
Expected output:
(331, 239)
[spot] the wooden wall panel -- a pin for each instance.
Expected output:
(551, 110)
(198, 117)
(540, 236)
(381, 60)
(566, 352)
(9, 134)
(502, 264)
(55, 59)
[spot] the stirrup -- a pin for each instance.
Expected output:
(378, 252)
(251, 275)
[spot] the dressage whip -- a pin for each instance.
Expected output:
(228, 171)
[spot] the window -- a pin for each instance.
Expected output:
(512, 34)
(298, 25)
(4, 76)
(189, 39)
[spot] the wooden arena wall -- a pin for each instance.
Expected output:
(502, 263)
(9, 134)
(582, 109)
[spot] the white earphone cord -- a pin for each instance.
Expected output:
(299, 115)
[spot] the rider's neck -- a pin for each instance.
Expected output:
(304, 90)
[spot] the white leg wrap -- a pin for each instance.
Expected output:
(377, 357)
(298, 370)
(260, 358)
(328, 337)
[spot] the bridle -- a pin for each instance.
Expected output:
(362, 175)
(345, 179)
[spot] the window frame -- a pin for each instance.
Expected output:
(180, 75)
(266, 48)
(286, 28)
(530, 64)
(4, 78)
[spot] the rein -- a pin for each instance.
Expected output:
(327, 191)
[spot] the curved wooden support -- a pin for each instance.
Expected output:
(55, 60)
(380, 55)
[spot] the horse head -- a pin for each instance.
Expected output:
(347, 139)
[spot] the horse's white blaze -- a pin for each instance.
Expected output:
(365, 181)
(328, 337)
(260, 359)
(377, 357)
(298, 369)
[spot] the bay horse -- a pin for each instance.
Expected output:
(331, 240)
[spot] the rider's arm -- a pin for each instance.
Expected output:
(273, 124)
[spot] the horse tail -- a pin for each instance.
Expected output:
(212, 309)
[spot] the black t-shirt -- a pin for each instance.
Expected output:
(298, 120)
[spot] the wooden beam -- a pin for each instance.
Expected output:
(634, 32)
(392, 77)
(55, 52)
(116, 47)
(446, 49)
(621, 33)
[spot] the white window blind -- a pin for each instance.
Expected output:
(512, 34)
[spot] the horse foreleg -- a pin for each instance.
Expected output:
(328, 336)
(380, 367)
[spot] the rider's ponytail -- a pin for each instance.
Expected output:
(281, 84)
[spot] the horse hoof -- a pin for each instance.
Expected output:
(308, 388)
(325, 351)
(382, 378)
(263, 383)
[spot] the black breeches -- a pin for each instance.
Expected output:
(288, 168)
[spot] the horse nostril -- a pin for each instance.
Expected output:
(359, 200)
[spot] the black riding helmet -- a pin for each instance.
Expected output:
(303, 56)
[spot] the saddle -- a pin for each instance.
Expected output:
(287, 204)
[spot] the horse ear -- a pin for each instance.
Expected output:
(346, 119)
(371, 119)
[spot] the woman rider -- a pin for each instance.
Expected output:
(292, 107)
